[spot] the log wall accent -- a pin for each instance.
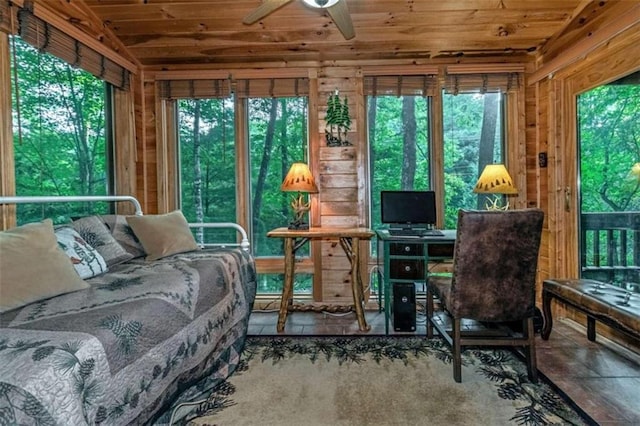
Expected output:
(341, 178)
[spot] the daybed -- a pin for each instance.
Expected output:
(120, 346)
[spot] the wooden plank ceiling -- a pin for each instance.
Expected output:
(206, 32)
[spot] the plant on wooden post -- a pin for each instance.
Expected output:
(338, 121)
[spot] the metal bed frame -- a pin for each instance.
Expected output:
(244, 240)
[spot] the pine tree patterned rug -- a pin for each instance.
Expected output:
(379, 381)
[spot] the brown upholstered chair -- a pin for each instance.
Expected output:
(493, 281)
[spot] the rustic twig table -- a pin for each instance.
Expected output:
(349, 241)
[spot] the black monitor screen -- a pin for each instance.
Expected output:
(408, 208)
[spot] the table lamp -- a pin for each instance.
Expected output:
(495, 179)
(299, 179)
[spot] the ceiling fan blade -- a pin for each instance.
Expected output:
(263, 10)
(339, 12)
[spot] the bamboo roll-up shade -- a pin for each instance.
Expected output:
(398, 85)
(483, 82)
(195, 89)
(47, 38)
(272, 87)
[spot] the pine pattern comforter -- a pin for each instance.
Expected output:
(121, 351)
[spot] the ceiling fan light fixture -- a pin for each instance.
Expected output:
(320, 4)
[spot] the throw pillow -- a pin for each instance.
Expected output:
(85, 259)
(164, 234)
(94, 232)
(32, 266)
(123, 234)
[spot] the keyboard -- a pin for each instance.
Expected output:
(402, 232)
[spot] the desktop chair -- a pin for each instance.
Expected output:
(493, 281)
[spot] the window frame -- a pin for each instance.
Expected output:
(111, 154)
(167, 166)
(512, 107)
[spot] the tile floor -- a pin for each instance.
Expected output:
(601, 377)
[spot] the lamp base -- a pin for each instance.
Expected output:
(496, 204)
(298, 225)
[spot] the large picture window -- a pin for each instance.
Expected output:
(207, 161)
(399, 135)
(473, 137)
(60, 139)
(401, 145)
(276, 136)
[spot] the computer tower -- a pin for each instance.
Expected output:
(404, 307)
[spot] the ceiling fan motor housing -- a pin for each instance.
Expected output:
(321, 3)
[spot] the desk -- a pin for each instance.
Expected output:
(350, 243)
(405, 259)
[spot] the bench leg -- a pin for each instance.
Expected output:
(546, 310)
(591, 328)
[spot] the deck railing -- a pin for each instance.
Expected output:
(610, 248)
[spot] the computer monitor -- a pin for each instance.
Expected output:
(408, 209)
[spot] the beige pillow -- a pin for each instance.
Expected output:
(163, 234)
(33, 267)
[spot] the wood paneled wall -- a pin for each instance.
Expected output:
(341, 177)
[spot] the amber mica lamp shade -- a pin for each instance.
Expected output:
(495, 179)
(299, 179)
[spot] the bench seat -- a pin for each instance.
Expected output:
(598, 301)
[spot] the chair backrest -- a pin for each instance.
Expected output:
(495, 263)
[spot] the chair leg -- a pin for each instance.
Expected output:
(429, 295)
(456, 350)
(530, 350)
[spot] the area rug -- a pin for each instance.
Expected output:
(378, 381)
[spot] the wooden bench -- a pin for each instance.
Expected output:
(612, 306)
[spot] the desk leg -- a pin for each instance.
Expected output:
(352, 248)
(287, 286)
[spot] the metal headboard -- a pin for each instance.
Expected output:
(244, 242)
(32, 199)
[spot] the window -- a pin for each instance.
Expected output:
(61, 116)
(277, 138)
(399, 146)
(398, 120)
(473, 138)
(60, 141)
(609, 168)
(473, 133)
(210, 170)
(207, 162)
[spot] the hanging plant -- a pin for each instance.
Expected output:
(337, 120)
